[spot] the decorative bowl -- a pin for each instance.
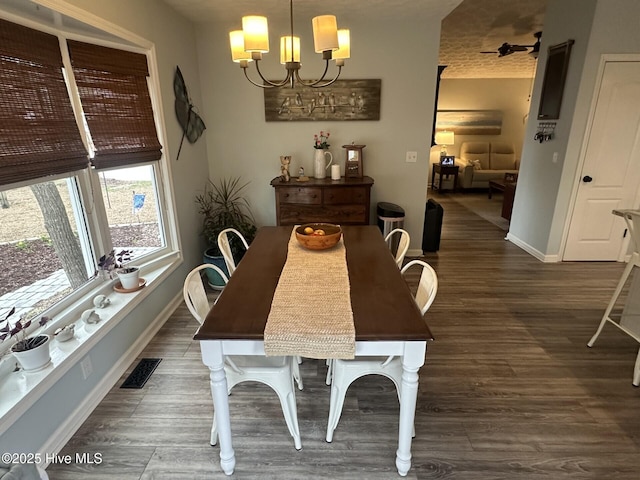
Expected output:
(332, 234)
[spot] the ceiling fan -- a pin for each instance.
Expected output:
(507, 48)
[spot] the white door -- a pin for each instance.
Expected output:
(611, 169)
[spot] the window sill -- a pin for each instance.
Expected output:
(19, 390)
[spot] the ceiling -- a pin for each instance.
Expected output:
(483, 25)
(472, 27)
(201, 11)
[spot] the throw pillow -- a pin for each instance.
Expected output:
(476, 164)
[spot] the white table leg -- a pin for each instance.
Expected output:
(213, 357)
(412, 360)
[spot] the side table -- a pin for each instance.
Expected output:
(497, 185)
(443, 170)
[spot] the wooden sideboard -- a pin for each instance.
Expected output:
(345, 201)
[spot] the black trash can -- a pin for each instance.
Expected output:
(432, 226)
(390, 217)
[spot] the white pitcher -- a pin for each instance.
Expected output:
(320, 165)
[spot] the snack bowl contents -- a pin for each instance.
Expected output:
(318, 236)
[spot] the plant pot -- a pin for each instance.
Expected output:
(129, 277)
(214, 279)
(35, 357)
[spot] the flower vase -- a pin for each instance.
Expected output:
(321, 162)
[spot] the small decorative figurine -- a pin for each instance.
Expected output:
(301, 175)
(65, 333)
(101, 301)
(285, 160)
(90, 316)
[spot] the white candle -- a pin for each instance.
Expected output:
(335, 172)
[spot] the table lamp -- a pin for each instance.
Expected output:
(444, 138)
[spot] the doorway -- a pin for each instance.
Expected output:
(610, 173)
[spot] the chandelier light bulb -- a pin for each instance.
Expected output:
(253, 40)
(256, 33)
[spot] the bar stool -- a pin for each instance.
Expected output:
(629, 322)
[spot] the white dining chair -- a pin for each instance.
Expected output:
(628, 323)
(278, 373)
(224, 244)
(344, 372)
(403, 243)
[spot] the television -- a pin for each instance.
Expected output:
(555, 74)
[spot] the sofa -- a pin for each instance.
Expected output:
(480, 162)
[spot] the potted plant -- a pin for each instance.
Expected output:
(224, 206)
(31, 352)
(115, 262)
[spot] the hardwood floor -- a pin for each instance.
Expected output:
(509, 389)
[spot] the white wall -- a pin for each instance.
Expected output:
(508, 95)
(240, 142)
(174, 45)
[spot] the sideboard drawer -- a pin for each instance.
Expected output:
(345, 195)
(340, 214)
(344, 201)
(306, 196)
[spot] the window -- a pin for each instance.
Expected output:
(39, 257)
(131, 203)
(58, 214)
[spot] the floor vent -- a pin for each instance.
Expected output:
(141, 373)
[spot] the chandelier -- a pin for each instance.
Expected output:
(248, 45)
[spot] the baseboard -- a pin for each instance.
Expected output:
(532, 251)
(66, 430)
(414, 253)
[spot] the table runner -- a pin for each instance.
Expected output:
(311, 312)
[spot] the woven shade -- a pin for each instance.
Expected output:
(38, 132)
(115, 99)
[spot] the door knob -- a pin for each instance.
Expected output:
(587, 179)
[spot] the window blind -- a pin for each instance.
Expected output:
(38, 132)
(113, 90)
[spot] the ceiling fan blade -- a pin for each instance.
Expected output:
(519, 48)
(494, 52)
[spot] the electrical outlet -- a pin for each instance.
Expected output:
(412, 157)
(86, 366)
(555, 157)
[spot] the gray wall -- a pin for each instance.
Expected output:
(615, 31)
(541, 199)
(174, 40)
(240, 142)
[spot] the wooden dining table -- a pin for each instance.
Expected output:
(385, 316)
